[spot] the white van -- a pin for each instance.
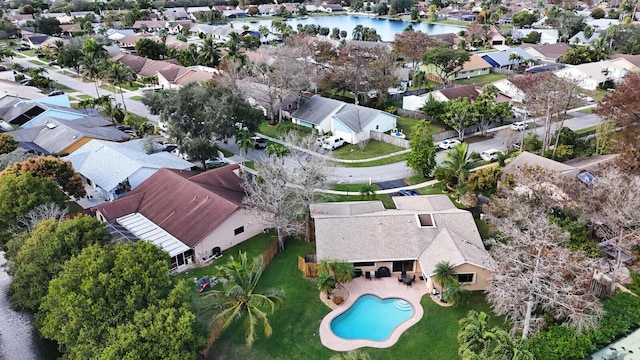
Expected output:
(332, 143)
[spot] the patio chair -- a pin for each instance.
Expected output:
(367, 274)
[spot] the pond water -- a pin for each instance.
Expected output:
(384, 27)
(18, 339)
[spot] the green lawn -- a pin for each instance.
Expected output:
(107, 87)
(133, 87)
(84, 97)
(588, 130)
(350, 187)
(372, 149)
(295, 327)
(482, 78)
(136, 98)
(406, 124)
(385, 161)
(37, 62)
(587, 111)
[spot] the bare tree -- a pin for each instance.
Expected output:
(272, 199)
(534, 273)
(308, 171)
(28, 221)
(612, 202)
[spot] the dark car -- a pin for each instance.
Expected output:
(405, 192)
(258, 142)
(24, 48)
(56, 93)
(54, 62)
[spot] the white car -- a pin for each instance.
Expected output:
(216, 161)
(490, 155)
(332, 143)
(448, 144)
(519, 126)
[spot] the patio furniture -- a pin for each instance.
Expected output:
(357, 273)
(367, 274)
(383, 271)
(407, 280)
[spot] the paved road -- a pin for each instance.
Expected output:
(56, 74)
(338, 174)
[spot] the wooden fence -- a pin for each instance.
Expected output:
(307, 268)
(216, 329)
(393, 140)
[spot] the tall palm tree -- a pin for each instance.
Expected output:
(92, 69)
(343, 272)
(119, 73)
(237, 298)
(443, 273)
(210, 54)
(244, 142)
(94, 50)
(325, 283)
(457, 160)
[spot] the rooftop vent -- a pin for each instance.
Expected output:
(51, 125)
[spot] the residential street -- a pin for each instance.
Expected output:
(338, 174)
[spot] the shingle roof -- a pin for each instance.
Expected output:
(317, 109)
(475, 62)
(187, 207)
(108, 164)
(502, 57)
(388, 235)
(56, 135)
(551, 51)
(356, 117)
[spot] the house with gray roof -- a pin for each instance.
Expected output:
(58, 136)
(351, 122)
(112, 169)
(15, 111)
(581, 39)
(420, 233)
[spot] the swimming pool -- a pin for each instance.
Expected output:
(372, 318)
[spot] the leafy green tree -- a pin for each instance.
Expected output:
(116, 300)
(367, 192)
(238, 299)
(351, 355)
(276, 149)
(48, 26)
(484, 181)
(210, 54)
(51, 168)
(148, 48)
(487, 109)
(523, 18)
(446, 61)
(70, 58)
(455, 293)
(7, 143)
(459, 115)
(475, 338)
(422, 158)
(44, 253)
(244, 142)
(20, 193)
(220, 113)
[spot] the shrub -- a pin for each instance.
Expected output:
(338, 299)
(564, 343)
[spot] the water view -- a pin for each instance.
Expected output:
(384, 27)
(18, 339)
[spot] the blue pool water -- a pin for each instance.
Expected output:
(372, 318)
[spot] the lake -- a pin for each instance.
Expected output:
(384, 27)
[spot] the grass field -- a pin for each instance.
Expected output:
(482, 78)
(295, 327)
(372, 149)
(385, 161)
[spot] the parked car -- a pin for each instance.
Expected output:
(449, 143)
(585, 98)
(258, 142)
(407, 192)
(332, 143)
(216, 161)
(151, 88)
(24, 81)
(321, 139)
(56, 93)
(23, 48)
(169, 147)
(54, 62)
(490, 155)
(519, 126)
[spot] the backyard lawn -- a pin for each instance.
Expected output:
(373, 148)
(481, 79)
(295, 327)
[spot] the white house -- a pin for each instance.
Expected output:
(507, 87)
(351, 122)
(591, 75)
(113, 169)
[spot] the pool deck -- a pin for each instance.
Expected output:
(382, 288)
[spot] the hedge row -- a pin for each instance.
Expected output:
(564, 343)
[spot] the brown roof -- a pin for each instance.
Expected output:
(464, 91)
(187, 207)
(151, 67)
(475, 62)
(634, 59)
(551, 51)
(151, 24)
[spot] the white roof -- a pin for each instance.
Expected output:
(109, 163)
(145, 229)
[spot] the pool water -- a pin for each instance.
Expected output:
(372, 318)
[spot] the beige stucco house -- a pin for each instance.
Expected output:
(422, 232)
(192, 216)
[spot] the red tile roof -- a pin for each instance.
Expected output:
(187, 206)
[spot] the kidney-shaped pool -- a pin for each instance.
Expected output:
(372, 318)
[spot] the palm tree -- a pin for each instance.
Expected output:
(458, 162)
(94, 50)
(367, 192)
(351, 355)
(119, 73)
(275, 149)
(474, 336)
(92, 69)
(443, 274)
(325, 283)
(237, 298)
(343, 272)
(514, 56)
(210, 54)
(455, 293)
(244, 142)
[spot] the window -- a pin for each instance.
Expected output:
(465, 278)
(399, 266)
(238, 231)
(425, 220)
(363, 264)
